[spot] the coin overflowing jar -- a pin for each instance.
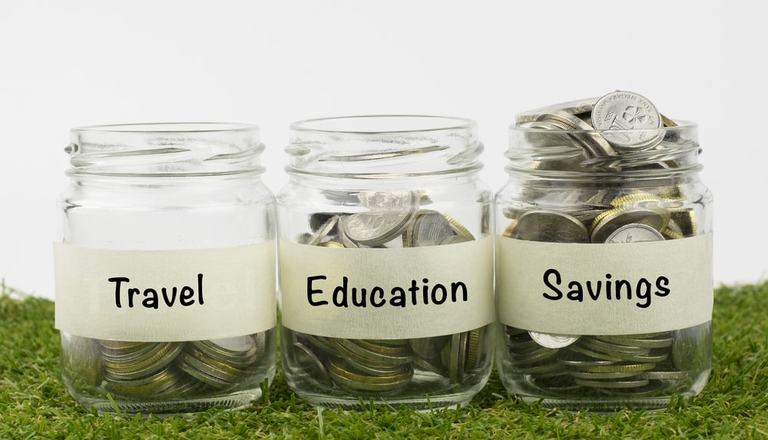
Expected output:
(165, 285)
(385, 262)
(604, 283)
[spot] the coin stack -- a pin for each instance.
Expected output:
(169, 370)
(392, 219)
(609, 138)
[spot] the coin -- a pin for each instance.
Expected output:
(634, 233)
(428, 228)
(593, 142)
(550, 226)
(601, 376)
(686, 219)
(360, 382)
(474, 346)
(324, 230)
(142, 362)
(633, 383)
(457, 357)
(549, 340)
(309, 362)
(610, 221)
(632, 116)
(575, 107)
(664, 375)
(661, 342)
(641, 199)
(459, 229)
(375, 228)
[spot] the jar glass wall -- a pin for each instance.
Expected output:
(385, 262)
(149, 205)
(621, 231)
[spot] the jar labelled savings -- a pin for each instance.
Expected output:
(604, 257)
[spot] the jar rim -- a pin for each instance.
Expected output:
(438, 123)
(383, 146)
(682, 125)
(168, 127)
(165, 149)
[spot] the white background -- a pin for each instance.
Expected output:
(72, 63)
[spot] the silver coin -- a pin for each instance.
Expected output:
(664, 375)
(345, 240)
(324, 230)
(573, 107)
(604, 375)
(375, 228)
(633, 116)
(550, 226)
(549, 340)
(634, 233)
(612, 384)
(593, 142)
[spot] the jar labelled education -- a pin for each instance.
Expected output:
(604, 257)
(386, 262)
(165, 285)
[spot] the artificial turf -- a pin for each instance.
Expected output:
(34, 403)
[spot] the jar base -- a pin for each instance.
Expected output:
(599, 405)
(420, 404)
(163, 408)
(233, 401)
(608, 404)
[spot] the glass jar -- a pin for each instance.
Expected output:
(385, 262)
(165, 273)
(604, 279)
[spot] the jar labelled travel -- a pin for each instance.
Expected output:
(385, 262)
(604, 257)
(165, 273)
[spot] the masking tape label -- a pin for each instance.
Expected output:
(604, 289)
(394, 293)
(165, 295)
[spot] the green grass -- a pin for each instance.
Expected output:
(34, 403)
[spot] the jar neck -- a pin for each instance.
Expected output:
(383, 147)
(388, 183)
(596, 155)
(640, 180)
(165, 150)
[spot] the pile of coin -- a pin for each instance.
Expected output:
(608, 139)
(384, 366)
(169, 370)
(636, 365)
(619, 131)
(392, 219)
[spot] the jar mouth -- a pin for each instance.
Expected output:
(169, 127)
(382, 124)
(165, 149)
(383, 146)
(554, 150)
